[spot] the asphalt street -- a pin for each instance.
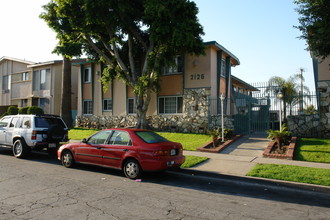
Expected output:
(40, 188)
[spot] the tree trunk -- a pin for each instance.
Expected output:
(142, 102)
(66, 113)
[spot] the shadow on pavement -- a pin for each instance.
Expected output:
(214, 183)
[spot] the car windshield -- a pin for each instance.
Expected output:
(43, 122)
(150, 137)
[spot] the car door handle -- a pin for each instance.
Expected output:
(98, 148)
(126, 150)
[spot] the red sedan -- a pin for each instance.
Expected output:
(132, 150)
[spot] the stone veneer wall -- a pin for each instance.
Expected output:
(304, 125)
(194, 119)
(324, 89)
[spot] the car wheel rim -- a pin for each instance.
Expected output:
(18, 148)
(132, 169)
(67, 159)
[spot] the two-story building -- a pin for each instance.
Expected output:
(35, 84)
(322, 84)
(182, 102)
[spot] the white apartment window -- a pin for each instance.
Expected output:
(170, 105)
(44, 104)
(24, 102)
(176, 68)
(87, 74)
(25, 76)
(107, 105)
(223, 67)
(87, 107)
(41, 79)
(5, 83)
(131, 106)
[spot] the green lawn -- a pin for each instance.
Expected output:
(193, 161)
(313, 150)
(292, 173)
(80, 133)
(189, 141)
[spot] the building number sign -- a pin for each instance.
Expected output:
(197, 76)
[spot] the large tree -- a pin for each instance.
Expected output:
(315, 25)
(135, 38)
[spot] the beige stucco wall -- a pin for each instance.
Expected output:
(56, 88)
(119, 97)
(74, 87)
(195, 66)
(324, 69)
(21, 90)
(97, 99)
(213, 72)
(87, 91)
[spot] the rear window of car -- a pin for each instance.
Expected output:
(150, 137)
(43, 122)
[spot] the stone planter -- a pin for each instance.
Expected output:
(289, 153)
(208, 147)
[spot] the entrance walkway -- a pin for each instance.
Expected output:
(242, 156)
(248, 146)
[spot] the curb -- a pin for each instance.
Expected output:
(268, 183)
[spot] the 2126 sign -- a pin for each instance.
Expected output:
(197, 76)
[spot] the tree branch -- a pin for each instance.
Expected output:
(98, 50)
(130, 57)
(134, 30)
(150, 49)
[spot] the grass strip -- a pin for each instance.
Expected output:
(189, 141)
(313, 150)
(192, 161)
(292, 173)
(81, 133)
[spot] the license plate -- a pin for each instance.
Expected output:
(52, 145)
(173, 152)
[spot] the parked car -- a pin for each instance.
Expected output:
(24, 133)
(131, 150)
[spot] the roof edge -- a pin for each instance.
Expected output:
(16, 60)
(214, 43)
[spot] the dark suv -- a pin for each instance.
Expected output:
(24, 133)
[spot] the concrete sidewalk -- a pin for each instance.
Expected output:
(240, 157)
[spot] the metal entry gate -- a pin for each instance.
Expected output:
(253, 116)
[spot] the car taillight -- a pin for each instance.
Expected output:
(34, 135)
(161, 153)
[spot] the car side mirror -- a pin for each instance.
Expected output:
(84, 140)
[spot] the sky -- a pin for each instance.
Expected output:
(259, 33)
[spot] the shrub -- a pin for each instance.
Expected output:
(215, 133)
(12, 110)
(279, 136)
(23, 110)
(35, 110)
(4, 114)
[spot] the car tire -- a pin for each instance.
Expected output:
(67, 159)
(20, 149)
(132, 169)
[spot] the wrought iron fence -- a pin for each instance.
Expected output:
(261, 110)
